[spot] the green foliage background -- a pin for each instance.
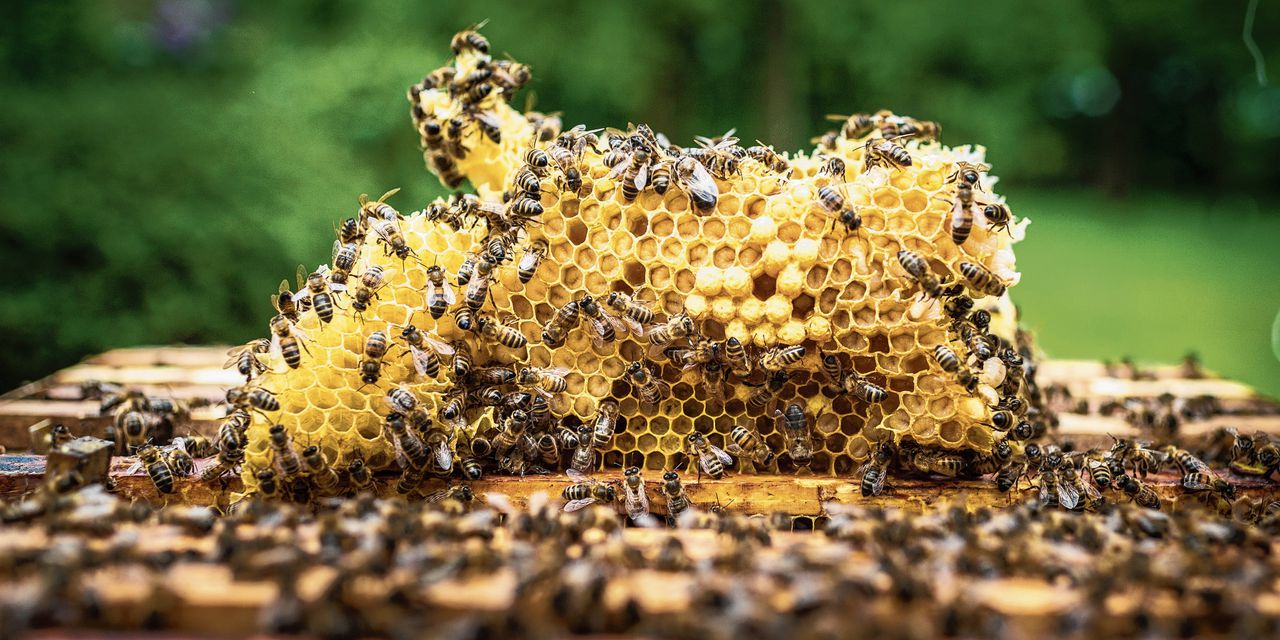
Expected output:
(166, 162)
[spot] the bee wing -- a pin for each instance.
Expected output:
(577, 505)
(441, 347)
(577, 476)
(437, 496)
(642, 177)
(719, 453)
(620, 167)
(337, 286)
(736, 450)
(302, 278)
(448, 293)
(619, 327)
(701, 183)
(1091, 492)
(298, 332)
(558, 372)
(636, 328)
(444, 457)
(643, 500)
(597, 333)
(1046, 490)
(1067, 494)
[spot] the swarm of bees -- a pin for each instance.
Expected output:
(607, 299)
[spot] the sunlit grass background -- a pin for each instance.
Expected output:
(166, 162)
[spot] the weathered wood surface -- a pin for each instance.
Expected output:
(799, 496)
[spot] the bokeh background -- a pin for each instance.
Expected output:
(165, 162)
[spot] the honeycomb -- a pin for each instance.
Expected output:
(768, 265)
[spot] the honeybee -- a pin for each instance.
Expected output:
(962, 213)
(447, 169)
(257, 398)
(432, 132)
(470, 39)
(564, 320)
(317, 292)
(1099, 471)
(676, 327)
(245, 358)
(374, 210)
(286, 341)
(660, 176)
(462, 362)
(779, 358)
(584, 454)
(1207, 481)
(702, 352)
(856, 125)
(401, 400)
(389, 234)
(794, 425)
(1142, 494)
(375, 347)
(938, 462)
(637, 313)
(673, 491)
(349, 233)
(635, 174)
(286, 458)
(230, 454)
(344, 260)
(425, 350)
(537, 160)
(501, 332)
(648, 387)
(747, 444)
(367, 291)
(863, 389)
(411, 451)
(196, 446)
(635, 498)
(567, 161)
(522, 207)
(268, 486)
(998, 216)
(765, 393)
(1071, 487)
(285, 303)
(968, 173)
(319, 470)
(694, 179)
(876, 470)
(533, 256)
(469, 458)
(512, 76)
(602, 324)
(453, 411)
(884, 152)
(152, 460)
(981, 279)
(911, 128)
(359, 476)
(719, 155)
(464, 318)
(440, 295)
(736, 356)
(544, 381)
(437, 442)
(478, 286)
(765, 155)
(711, 459)
(488, 124)
(585, 491)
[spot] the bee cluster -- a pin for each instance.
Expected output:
(611, 299)
(367, 566)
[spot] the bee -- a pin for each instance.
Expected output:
(528, 182)
(1207, 481)
(502, 333)
(349, 233)
(912, 128)
(467, 269)
(856, 125)
(375, 347)
(512, 76)
(246, 397)
(913, 263)
(359, 476)
(401, 400)
(389, 235)
(533, 256)
(584, 492)
(153, 461)
(719, 155)
(464, 318)
(1135, 456)
(245, 358)
(1003, 420)
(462, 362)
(544, 381)
(634, 497)
(440, 294)
(564, 320)
(649, 388)
(447, 169)
(711, 459)
(747, 444)
(702, 352)
(549, 450)
(510, 433)
(432, 132)
(525, 207)
(962, 213)
(367, 291)
(765, 393)
(673, 491)
(863, 389)
(942, 463)
(1099, 471)
(319, 295)
(1071, 487)
(876, 470)
(602, 324)
(676, 327)
(795, 427)
(635, 172)
(196, 446)
(998, 216)
(693, 178)
(567, 161)
(425, 350)
(884, 152)
(584, 453)
(179, 460)
(469, 458)
(765, 155)
(478, 286)
(639, 313)
(486, 122)
(453, 410)
(981, 279)
(230, 454)
(437, 443)
(268, 486)
(373, 210)
(285, 303)
(537, 160)
(1008, 477)
(1142, 494)
(469, 39)
(660, 176)
(946, 358)
(319, 470)
(778, 358)
(286, 341)
(957, 308)
(411, 451)
(286, 458)
(736, 357)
